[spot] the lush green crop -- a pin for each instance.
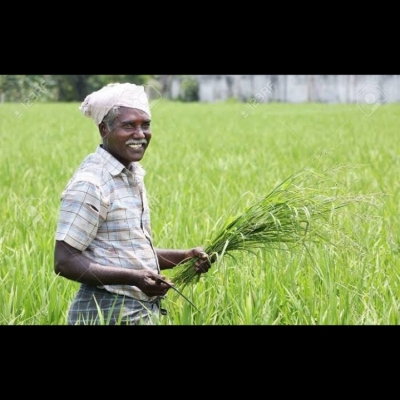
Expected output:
(205, 164)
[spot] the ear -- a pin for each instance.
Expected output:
(103, 130)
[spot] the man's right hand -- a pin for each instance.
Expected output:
(152, 284)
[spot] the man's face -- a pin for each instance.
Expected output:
(128, 138)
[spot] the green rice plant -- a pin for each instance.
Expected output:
(353, 282)
(300, 211)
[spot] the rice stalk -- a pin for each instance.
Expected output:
(299, 211)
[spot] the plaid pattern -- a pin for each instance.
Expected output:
(115, 309)
(105, 214)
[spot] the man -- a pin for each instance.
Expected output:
(103, 238)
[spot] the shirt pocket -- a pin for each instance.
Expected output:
(124, 221)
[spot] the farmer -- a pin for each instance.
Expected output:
(103, 237)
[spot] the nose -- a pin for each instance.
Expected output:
(138, 132)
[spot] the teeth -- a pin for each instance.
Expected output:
(136, 145)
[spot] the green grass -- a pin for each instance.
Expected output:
(204, 161)
(310, 208)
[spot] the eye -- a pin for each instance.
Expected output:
(127, 126)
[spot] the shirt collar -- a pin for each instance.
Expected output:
(137, 169)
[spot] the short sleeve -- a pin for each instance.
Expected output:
(80, 214)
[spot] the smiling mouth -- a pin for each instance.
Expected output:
(136, 144)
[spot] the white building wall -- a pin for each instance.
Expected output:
(296, 88)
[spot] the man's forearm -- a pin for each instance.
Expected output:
(72, 264)
(170, 258)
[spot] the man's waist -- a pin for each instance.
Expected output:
(129, 291)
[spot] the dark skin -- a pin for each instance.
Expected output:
(127, 141)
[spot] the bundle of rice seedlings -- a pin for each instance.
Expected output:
(299, 211)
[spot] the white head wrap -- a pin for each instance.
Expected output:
(98, 104)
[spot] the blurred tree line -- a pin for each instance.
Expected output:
(68, 88)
